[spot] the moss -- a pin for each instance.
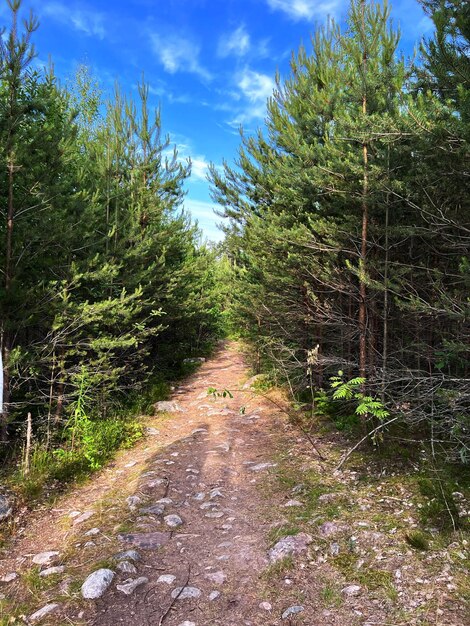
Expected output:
(418, 540)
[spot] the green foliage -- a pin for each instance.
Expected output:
(367, 406)
(109, 285)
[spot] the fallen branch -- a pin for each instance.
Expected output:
(372, 432)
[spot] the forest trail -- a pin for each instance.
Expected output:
(202, 501)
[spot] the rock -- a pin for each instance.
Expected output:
(130, 464)
(83, 517)
(334, 549)
(155, 509)
(261, 466)
(168, 406)
(217, 578)
(251, 381)
(196, 431)
(97, 583)
(168, 579)
(293, 544)
(8, 578)
(133, 555)
(152, 432)
(331, 528)
(184, 593)
(146, 541)
(173, 521)
(351, 590)
(44, 612)
(130, 585)
(266, 606)
(292, 610)
(293, 503)
(126, 567)
(45, 558)
(50, 571)
(195, 359)
(214, 515)
(215, 493)
(214, 595)
(132, 502)
(327, 498)
(6, 508)
(92, 532)
(186, 623)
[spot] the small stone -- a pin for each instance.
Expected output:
(44, 612)
(50, 571)
(292, 610)
(130, 464)
(152, 432)
(165, 501)
(184, 593)
(8, 578)
(45, 558)
(173, 521)
(215, 493)
(334, 549)
(327, 498)
(330, 528)
(132, 502)
(92, 532)
(214, 595)
(167, 579)
(293, 503)
(214, 515)
(155, 509)
(133, 555)
(167, 406)
(146, 541)
(217, 578)
(6, 508)
(266, 606)
(74, 514)
(351, 590)
(83, 517)
(126, 567)
(89, 544)
(186, 623)
(97, 583)
(261, 466)
(287, 546)
(131, 585)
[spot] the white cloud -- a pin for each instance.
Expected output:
(237, 43)
(306, 9)
(203, 212)
(178, 54)
(82, 19)
(255, 88)
(199, 163)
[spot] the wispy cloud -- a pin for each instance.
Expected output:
(85, 20)
(178, 54)
(203, 212)
(237, 43)
(306, 9)
(255, 88)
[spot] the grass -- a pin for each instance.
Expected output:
(330, 595)
(278, 568)
(418, 540)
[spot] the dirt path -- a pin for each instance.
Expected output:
(202, 501)
(205, 463)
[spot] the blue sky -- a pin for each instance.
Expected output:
(209, 63)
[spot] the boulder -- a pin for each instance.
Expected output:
(288, 546)
(6, 508)
(97, 583)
